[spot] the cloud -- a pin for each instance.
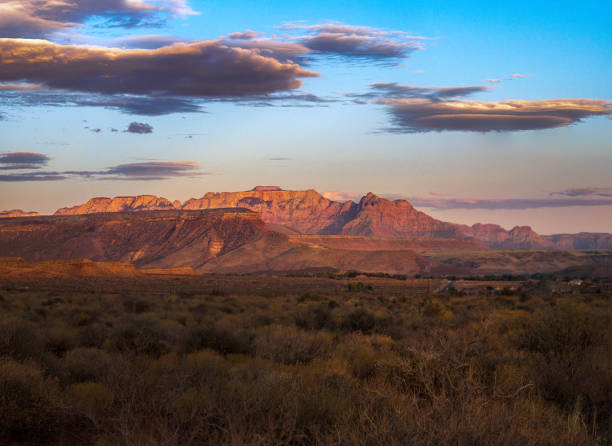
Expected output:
(22, 160)
(32, 176)
(279, 158)
(139, 127)
(128, 104)
(423, 115)
(495, 80)
(585, 191)
(356, 41)
(395, 90)
(477, 203)
(205, 69)
(247, 35)
(155, 169)
(145, 171)
(342, 196)
(21, 86)
(145, 41)
(37, 18)
(508, 203)
(282, 51)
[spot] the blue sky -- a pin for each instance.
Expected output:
(395, 141)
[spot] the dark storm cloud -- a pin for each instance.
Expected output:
(22, 160)
(356, 41)
(139, 128)
(207, 69)
(423, 115)
(36, 18)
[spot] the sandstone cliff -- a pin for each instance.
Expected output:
(306, 211)
(120, 204)
(309, 212)
(17, 213)
(150, 238)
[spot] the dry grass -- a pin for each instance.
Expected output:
(248, 360)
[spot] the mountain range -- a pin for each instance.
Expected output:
(309, 212)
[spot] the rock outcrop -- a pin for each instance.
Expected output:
(306, 211)
(17, 213)
(159, 239)
(121, 204)
(309, 212)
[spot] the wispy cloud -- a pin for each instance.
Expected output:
(144, 171)
(437, 202)
(585, 192)
(22, 160)
(397, 91)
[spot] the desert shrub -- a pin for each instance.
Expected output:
(291, 345)
(316, 317)
(359, 320)
(20, 339)
(28, 413)
(137, 306)
(60, 339)
(140, 335)
(90, 397)
(94, 335)
(222, 336)
(434, 309)
(87, 364)
(572, 343)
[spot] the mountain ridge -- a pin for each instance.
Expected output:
(309, 212)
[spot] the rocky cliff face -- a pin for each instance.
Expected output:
(376, 216)
(306, 211)
(309, 212)
(149, 238)
(17, 213)
(120, 204)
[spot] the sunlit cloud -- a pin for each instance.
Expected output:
(352, 41)
(37, 18)
(207, 69)
(423, 115)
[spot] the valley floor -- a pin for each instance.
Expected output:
(312, 359)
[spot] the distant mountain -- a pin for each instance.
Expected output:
(17, 213)
(306, 211)
(309, 212)
(162, 239)
(120, 204)
(237, 240)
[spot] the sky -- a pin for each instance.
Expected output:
(493, 112)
